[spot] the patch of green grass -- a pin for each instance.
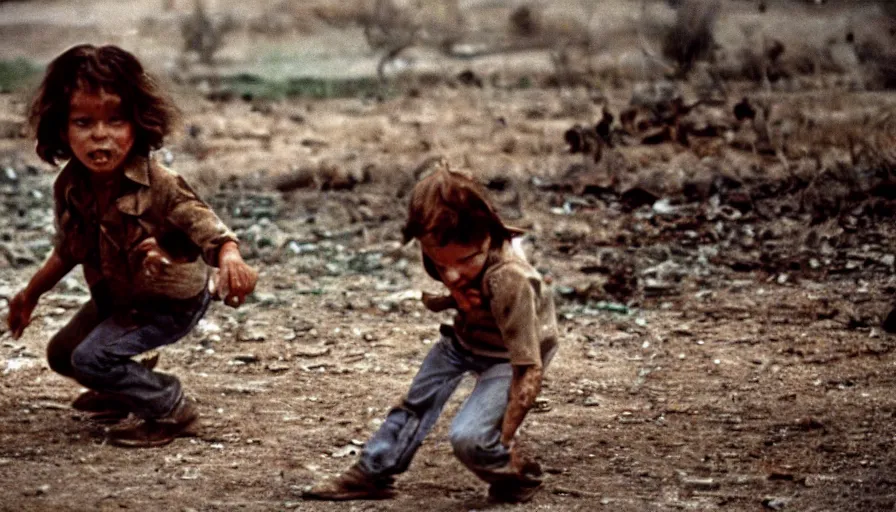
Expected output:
(17, 74)
(255, 87)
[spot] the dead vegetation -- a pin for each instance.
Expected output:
(204, 35)
(691, 36)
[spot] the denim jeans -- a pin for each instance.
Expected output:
(96, 346)
(476, 430)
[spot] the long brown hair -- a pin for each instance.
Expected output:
(453, 208)
(107, 68)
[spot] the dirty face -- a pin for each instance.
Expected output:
(99, 135)
(459, 266)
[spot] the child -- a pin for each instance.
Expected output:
(138, 231)
(505, 332)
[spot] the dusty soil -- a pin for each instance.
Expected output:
(720, 303)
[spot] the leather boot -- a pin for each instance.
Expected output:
(134, 432)
(354, 484)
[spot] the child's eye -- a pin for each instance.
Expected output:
(81, 121)
(467, 259)
(116, 120)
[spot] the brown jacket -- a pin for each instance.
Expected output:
(516, 320)
(150, 201)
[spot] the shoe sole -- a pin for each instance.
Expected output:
(348, 496)
(107, 417)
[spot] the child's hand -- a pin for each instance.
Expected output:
(528, 469)
(235, 278)
(154, 257)
(20, 308)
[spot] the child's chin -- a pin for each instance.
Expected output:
(101, 168)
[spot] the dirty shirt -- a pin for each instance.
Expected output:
(516, 319)
(149, 200)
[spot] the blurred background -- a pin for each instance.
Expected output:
(710, 183)
(272, 44)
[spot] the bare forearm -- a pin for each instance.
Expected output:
(46, 277)
(524, 390)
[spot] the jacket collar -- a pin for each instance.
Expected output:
(136, 202)
(136, 170)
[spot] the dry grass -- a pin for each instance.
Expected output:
(691, 37)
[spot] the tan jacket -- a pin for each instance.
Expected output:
(151, 201)
(516, 319)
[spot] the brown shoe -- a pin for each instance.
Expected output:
(134, 432)
(354, 484)
(519, 487)
(108, 406)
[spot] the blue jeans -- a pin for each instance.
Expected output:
(96, 346)
(476, 430)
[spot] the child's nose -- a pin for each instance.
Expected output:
(100, 131)
(451, 276)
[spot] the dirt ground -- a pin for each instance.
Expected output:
(720, 301)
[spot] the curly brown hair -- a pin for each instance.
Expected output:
(91, 68)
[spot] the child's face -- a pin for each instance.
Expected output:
(99, 135)
(459, 265)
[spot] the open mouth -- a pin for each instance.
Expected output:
(100, 156)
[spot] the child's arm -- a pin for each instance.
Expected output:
(22, 305)
(524, 389)
(514, 308)
(219, 246)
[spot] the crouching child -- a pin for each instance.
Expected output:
(145, 240)
(504, 333)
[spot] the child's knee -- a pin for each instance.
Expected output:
(88, 363)
(469, 447)
(477, 446)
(59, 357)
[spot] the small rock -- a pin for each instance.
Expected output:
(252, 336)
(591, 401)
(572, 230)
(346, 451)
(9, 175)
(701, 484)
(542, 404)
(774, 503)
(265, 298)
(246, 358)
(312, 352)
(206, 327)
(277, 367)
(664, 207)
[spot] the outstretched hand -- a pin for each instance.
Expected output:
(20, 309)
(235, 279)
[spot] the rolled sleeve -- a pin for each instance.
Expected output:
(512, 302)
(189, 214)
